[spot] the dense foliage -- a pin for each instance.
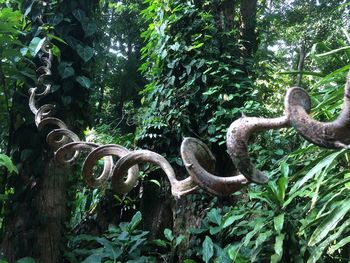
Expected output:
(148, 73)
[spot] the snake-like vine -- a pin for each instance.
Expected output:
(197, 158)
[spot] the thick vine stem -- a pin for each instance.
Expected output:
(238, 135)
(200, 164)
(64, 154)
(44, 111)
(332, 135)
(55, 137)
(178, 187)
(103, 151)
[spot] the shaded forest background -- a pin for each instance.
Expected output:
(146, 74)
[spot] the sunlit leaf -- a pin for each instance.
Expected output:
(330, 222)
(7, 162)
(207, 249)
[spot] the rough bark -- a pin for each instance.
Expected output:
(52, 200)
(35, 228)
(248, 26)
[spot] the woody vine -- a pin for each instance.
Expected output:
(197, 157)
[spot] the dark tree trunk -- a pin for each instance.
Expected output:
(37, 211)
(35, 228)
(301, 62)
(248, 26)
(52, 203)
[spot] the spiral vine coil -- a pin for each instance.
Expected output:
(197, 158)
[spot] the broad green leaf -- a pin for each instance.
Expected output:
(26, 260)
(347, 176)
(160, 242)
(65, 70)
(168, 234)
(179, 240)
(90, 29)
(330, 222)
(56, 52)
(278, 247)
(282, 185)
(79, 15)
(35, 45)
(86, 53)
(228, 221)
(136, 219)
(214, 216)
(258, 227)
(284, 169)
(278, 222)
(326, 162)
(93, 259)
(262, 237)
(6, 161)
(207, 249)
(7, 28)
(24, 51)
(318, 251)
(233, 252)
(84, 81)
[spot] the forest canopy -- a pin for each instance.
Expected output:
(120, 80)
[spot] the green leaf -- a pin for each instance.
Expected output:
(35, 45)
(89, 29)
(160, 242)
(6, 161)
(207, 249)
(214, 216)
(168, 234)
(26, 260)
(84, 81)
(28, 9)
(278, 222)
(65, 70)
(57, 38)
(179, 240)
(319, 250)
(284, 169)
(96, 258)
(229, 220)
(79, 15)
(136, 219)
(278, 247)
(317, 168)
(340, 244)
(154, 181)
(86, 53)
(330, 222)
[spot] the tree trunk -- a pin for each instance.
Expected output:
(35, 228)
(248, 26)
(52, 203)
(301, 62)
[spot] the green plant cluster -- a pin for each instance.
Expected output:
(198, 80)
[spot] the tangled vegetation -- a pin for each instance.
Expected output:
(146, 74)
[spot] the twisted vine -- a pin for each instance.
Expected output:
(197, 158)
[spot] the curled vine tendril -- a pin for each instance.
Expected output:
(198, 159)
